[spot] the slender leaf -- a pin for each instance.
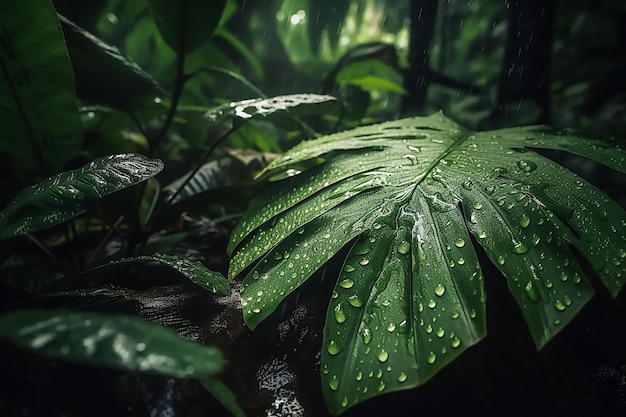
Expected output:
(414, 195)
(186, 24)
(103, 74)
(64, 196)
(223, 394)
(281, 110)
(116, 341)
(195, 271)
(39, 121)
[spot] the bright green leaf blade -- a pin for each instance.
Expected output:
(40, 125)
(195, 271)
(392, 332)
(371, 83)
(116, 341)
(186, 24)
(66, 195)
(223, 395)
(103, 74)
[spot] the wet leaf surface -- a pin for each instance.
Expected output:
(64, 196)
(418, 196)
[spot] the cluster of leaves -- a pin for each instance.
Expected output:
(410, 199)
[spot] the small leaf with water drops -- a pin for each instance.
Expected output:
(413, 197)
(109, 340)
(64, 196)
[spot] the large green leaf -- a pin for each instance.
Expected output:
(195, 271)
(40, 127)
(116, 341)
(64, 196)
(413, 196)
(186, 24)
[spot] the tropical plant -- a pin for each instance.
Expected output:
(108, 176)
(411, 198)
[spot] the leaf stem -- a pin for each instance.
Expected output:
(202, 161)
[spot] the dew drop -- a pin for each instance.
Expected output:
(349, 268)
(391, 327)
(527, 166)
(383, 356)
(432, 304)
(346, 283)
(439, 291)
(340, 315)
(333, 348)
(440, 332)
(500, 260)
(530, 291)
(402, 377)
(467, 185)
(559, 305)
(519, 248)
(359, 376)
(334, 383)
(524, 221)
(255, 275)
(364, 261)
(344, 403)
(367, 336)
(381, 386)
(564, 277)
(404, 247)
(459, 243)
(456, 342)
(355, 301)
(377, 226)
(431, 358)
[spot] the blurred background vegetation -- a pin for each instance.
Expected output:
(485, 63)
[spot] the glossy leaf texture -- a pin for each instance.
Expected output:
(124, 83)
(66, 195)
(40, 124)
(115, 341)
(195, 271)
(281, 110)
(413, 197)
(186, 24)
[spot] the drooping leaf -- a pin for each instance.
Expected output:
(39, 121)
(195, 271)
(116, 341)
(186, 24)
(414, 196)
(64, 196)
(103, 74)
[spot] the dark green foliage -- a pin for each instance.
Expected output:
(153, 132)
(411, 197)
(41, 129)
